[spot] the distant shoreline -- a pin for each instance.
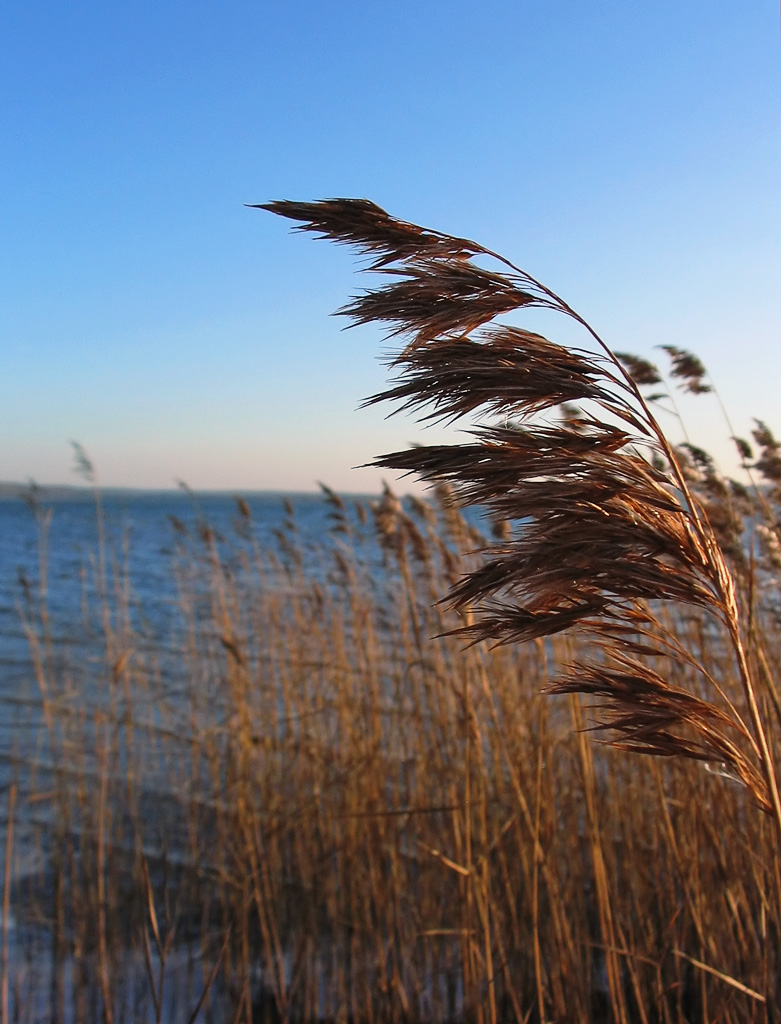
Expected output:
(10, 491)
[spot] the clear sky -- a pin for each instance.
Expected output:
(626, 152)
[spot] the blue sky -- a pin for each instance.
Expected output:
(626, 153)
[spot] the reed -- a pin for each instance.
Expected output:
(609, 526)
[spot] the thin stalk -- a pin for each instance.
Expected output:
(9, 846)
(538, 976)
(768, 767)
(100, 870)
(612, 965)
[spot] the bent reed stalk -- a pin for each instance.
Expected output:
(607, 524)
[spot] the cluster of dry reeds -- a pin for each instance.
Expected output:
(328, 795)
(302, 796)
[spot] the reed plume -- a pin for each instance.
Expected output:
(563, 443)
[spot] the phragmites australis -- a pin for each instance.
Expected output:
(564, 444)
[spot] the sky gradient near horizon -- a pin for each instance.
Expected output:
(629, 155)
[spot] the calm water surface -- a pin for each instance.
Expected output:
(58, 543)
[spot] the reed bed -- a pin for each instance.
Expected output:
(311, 803)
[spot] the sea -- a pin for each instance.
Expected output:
(50, 540)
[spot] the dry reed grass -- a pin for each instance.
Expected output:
(327, 804)
(311, 801)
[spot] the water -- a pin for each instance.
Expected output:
(140, 521)
(51, 592)
(54, 546)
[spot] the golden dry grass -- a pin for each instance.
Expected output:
(369, 822)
